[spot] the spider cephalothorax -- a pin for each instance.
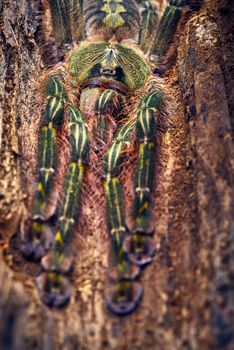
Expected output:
(108, 62)
(120, 108)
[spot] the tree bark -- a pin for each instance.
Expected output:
(189, 287)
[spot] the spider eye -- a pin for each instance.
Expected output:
(108, 72)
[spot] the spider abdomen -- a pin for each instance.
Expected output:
(111, 17)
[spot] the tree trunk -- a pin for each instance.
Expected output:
(189, 287)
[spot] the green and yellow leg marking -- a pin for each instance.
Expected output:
(139, 247)
(115, 155)
(113, 189)
(115, 217)
(47, 159)
(108, 103)
(68, 213)
(124, 294)
(148, 25)
(57, 262)
(47, 164)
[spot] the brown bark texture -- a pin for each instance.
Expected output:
(189, 288)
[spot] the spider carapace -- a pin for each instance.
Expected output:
(107, 94)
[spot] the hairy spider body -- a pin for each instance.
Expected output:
(120, 108)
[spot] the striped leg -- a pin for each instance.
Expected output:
(166, 29)
(54, 286)
(138, 246)
(107, 104)
(168, 24)
(39, 237)
(148, 25)
(67, 20)
(124, 294)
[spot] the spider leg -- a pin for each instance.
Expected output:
(148, 25)
(67, 20)
(40, 235)
(53, 285)
(124, 294)
(108, 103)
(139, 246)
(168, 24)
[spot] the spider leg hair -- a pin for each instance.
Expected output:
(57, 263)
(139, 246)
(124, 294)
(47, 163)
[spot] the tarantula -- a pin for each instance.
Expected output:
(109, 96)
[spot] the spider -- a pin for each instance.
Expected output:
(107, 100)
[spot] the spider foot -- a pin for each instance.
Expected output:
(140, 248)
(124, 296)
(50, 262)
(124, 270)
(54, 288)
(36, 248)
